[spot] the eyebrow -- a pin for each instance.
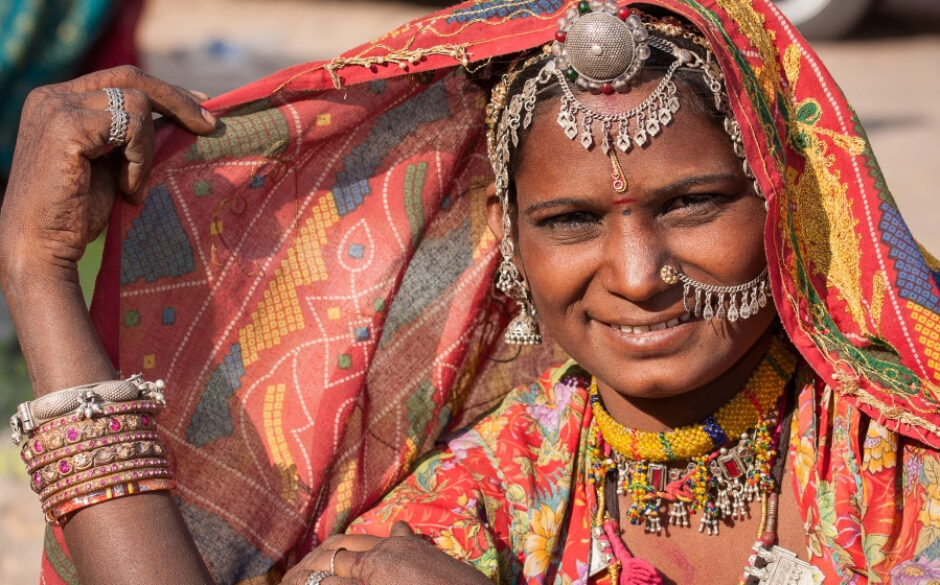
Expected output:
(695, 181)
(560, 202)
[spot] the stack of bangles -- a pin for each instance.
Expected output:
(93, 443)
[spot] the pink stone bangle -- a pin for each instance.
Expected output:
(46, 436)
(102, 483)
(45, 458)
(77, 431)
(86, 460)
(109, 469)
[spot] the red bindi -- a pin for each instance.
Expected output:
(624, 201)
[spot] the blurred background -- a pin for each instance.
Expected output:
(884, 53)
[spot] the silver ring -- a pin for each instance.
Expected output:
(118, 133)
(317, 577)
(115, 98)
(333, 560)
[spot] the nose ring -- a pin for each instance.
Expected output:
(712, 301)
(669, 274)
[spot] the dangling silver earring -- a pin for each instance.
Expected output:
(720, 302)
(524, 328)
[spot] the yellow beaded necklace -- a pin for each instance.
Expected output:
(748, 407)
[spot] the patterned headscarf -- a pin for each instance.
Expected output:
(314, 281)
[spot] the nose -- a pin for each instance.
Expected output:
(633, 258)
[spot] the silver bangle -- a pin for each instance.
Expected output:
(85, 400)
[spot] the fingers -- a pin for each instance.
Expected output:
(401, 528)
(139, 139)
(345, 547)
(297, 576)
(170, 100)
(133, 163)
(351, 542)
(336, 580)
(138, 156)
(348, 563)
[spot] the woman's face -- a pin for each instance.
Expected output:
(592, 256)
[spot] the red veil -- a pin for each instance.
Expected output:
(314, 281)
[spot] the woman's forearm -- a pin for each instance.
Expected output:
(139, 539)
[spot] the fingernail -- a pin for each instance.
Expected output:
(209, 117)
(199, 94)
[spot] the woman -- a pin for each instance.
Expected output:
(241, 430)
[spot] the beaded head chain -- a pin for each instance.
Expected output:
(600, 48)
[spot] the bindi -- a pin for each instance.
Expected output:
(624, 201)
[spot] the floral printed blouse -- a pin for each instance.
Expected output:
(510, 496)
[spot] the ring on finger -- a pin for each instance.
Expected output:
(118, 132)
(316, 577)
(115, 98)
(333, 560)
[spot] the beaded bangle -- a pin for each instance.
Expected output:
(59, 515)
(101, 483)
(79, 462)
(75, 431)
(85, 446)
(36, 447)
(753, 403)
(108, 469)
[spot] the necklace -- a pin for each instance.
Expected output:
(739, 414)
(721, 479)
(768, 565)
(719, 484)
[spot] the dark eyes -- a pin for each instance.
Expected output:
(569, 220)
(697, 204)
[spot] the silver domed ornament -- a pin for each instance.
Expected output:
(601, 45)
(602, 48)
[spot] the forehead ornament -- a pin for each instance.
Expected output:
(601, 48)
(598, 47)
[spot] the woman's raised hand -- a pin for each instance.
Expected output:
(65, 175)
(62, 187)
(401, 558)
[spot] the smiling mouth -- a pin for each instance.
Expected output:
(655, 326)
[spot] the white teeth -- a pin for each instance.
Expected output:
(658, 326)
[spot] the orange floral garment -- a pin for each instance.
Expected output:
(510, 495)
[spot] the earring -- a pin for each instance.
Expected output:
(524, 328)
(710, 298)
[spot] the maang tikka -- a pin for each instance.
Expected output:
(600, 48)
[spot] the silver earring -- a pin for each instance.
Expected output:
(524, 328)
(720, 302)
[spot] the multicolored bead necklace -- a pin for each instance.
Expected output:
(720, 479)
(751, 405)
